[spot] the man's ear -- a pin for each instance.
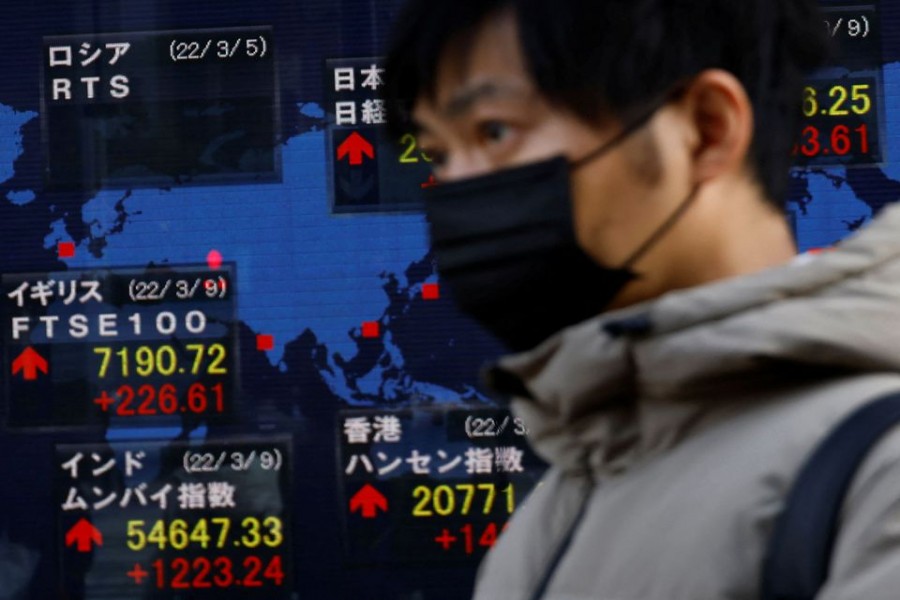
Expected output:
(720, 118)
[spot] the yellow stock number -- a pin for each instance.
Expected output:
(216, 532)
(858, 96)
(461, 499)
(146, 361)
(411, 152)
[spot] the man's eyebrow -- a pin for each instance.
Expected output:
(463, 101)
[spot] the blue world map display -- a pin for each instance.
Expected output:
(305, 276)
(311, 278)
(304, 270)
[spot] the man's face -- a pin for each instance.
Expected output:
(487, 115)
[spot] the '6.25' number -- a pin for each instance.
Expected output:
(858, 95)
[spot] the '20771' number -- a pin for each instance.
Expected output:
(445, 500)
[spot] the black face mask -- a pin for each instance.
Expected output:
(505, 245)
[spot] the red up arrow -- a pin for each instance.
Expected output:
(82, 534)
(29, 363)
(368, 500)
(355, 146)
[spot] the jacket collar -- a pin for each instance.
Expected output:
(634, 381)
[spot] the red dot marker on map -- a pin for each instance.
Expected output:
(265, 342)
(431, 291)
(65, 249)
(370, 329)
(214, 259)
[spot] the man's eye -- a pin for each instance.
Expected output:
(494, 131)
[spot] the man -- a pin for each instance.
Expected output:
(610, 205)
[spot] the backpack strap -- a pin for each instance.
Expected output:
(799, 551)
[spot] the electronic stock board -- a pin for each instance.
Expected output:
(229, 367)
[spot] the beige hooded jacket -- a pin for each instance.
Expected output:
(675, 428)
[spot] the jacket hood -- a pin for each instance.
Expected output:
(631, 381)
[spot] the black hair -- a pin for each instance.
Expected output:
(601, 58)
